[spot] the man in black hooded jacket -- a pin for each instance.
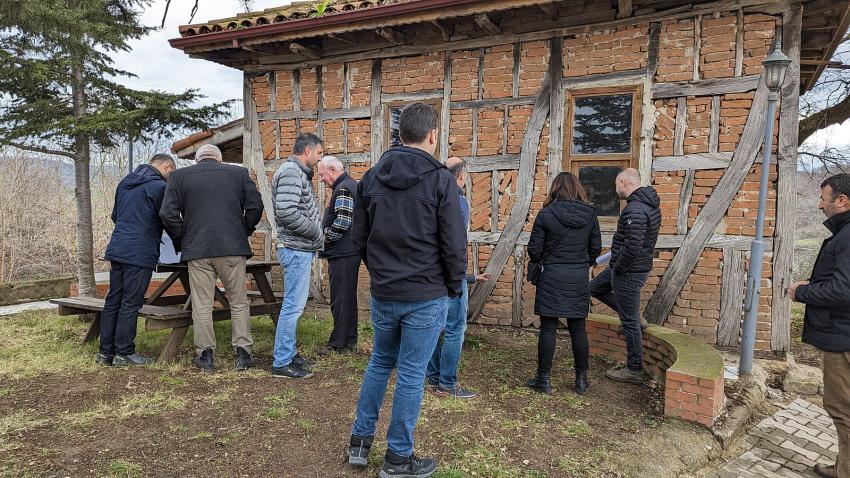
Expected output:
(827, 321)
(412, 237)
(632, 249)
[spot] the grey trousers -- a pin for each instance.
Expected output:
(202, 280)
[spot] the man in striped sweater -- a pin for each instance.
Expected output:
(343, 258)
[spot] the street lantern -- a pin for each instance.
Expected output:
(775, 66)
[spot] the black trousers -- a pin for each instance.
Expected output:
(621, 292)
(127, 287)
(546, 343)
(342, 272)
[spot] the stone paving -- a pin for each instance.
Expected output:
(17, 309)
(788, 444)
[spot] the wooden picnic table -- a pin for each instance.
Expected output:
(173, 311)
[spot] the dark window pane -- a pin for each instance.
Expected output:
(598, 181)
(602, 124)
(395, 138)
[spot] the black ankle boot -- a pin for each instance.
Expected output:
(581, 382)
(540, 383)
(205, 361)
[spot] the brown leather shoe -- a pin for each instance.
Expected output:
(825, 471)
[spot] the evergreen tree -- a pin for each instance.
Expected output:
(62, 96)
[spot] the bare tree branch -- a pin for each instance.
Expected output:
(38, 149)
(835, 114)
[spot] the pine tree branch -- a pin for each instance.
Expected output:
(37, 149)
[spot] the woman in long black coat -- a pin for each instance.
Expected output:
(565, 241)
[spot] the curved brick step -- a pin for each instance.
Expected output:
(691, 371)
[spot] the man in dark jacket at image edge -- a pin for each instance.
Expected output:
(133, 252)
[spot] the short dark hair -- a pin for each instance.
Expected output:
(415, 122)
(160, 158)
(840, 184)
(458, 169)
(304, 141)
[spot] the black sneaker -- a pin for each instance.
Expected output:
(456, 392)
(302, 362)
(205, 361)
(358, 450)
(103, 359)
(243, 359)
(131, 360)
(431, 384)
(292, 370)
(396, 466)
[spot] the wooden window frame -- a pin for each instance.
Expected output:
(436, 103)
(573, 161)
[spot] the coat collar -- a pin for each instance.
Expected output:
(837, 222)
(342, 177)
(302, 166)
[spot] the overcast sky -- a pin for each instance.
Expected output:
(160, 67)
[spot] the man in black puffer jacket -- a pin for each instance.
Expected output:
(827, 321)
(632, 249)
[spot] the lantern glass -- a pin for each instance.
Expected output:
(775, 66)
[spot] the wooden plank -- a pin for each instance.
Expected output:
(714, 129)
(625, 77)
(81, 305)
(647, 130)
(332, 114)
(252, 152)
(681, 126)
(516, 306)
(556, 115)
(492, 102)
(484, 21)
(525, 187)
(445, 112)
(93, 331)
(316, 277)
(786, 197)
(494, 201)
(716, 86)
(731, 298)
(739, 43)
(377, 115)
(624, 8)
(172, 345)
(410, 97)
(711, 214)
(161, 323)
(697, 45)
(515, 71)
(475, 265)
(272, 108)
(685, 202)
(692, 161)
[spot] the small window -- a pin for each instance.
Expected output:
(392, 113)
(600, 139)
(395, 138)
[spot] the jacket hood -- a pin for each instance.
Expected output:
(836, 222)
(646, 195)
(144, 173)
(572, 214)
(402, 167)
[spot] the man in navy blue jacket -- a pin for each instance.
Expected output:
(134, 252)
(411, 234)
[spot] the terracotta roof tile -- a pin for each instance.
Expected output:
(298, 10)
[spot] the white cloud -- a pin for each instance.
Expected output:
(161, 67)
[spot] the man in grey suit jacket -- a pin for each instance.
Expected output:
(299, 236)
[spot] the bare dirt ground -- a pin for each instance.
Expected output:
(61, 415)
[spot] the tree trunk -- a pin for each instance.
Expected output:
(82, 189)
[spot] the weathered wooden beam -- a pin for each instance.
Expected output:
(549, 9)
(252, 152)
(624, 8)
(302, 50)
(445, 108)
(692, 161)
(392, 35)
(731, 298)
(681, 126)
(739, 43)
(415, 96)
(711, 214)
(625, 77)
(647, 129)
(718, 86)
(697, 45)
(786, 196)
(525, 187)
(492, 102)
(556, 115)
(685, 202)
(345, 158)
(377, 116)
(340, 38)
(484, 21)
(325, 115)
(714, 129)
(495, 198)
(665, 241)
(516, 306)
(445, 30)
(515, 70)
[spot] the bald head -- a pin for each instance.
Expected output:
(208, 151)
(457, 166)
(627, 181)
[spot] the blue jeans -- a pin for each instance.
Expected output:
(405, 336)
(296, 288)
(442, 369)
(621, 292)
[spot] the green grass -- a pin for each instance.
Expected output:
(124, 469)
(305, 424)
(140, 404)
(279, 405)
